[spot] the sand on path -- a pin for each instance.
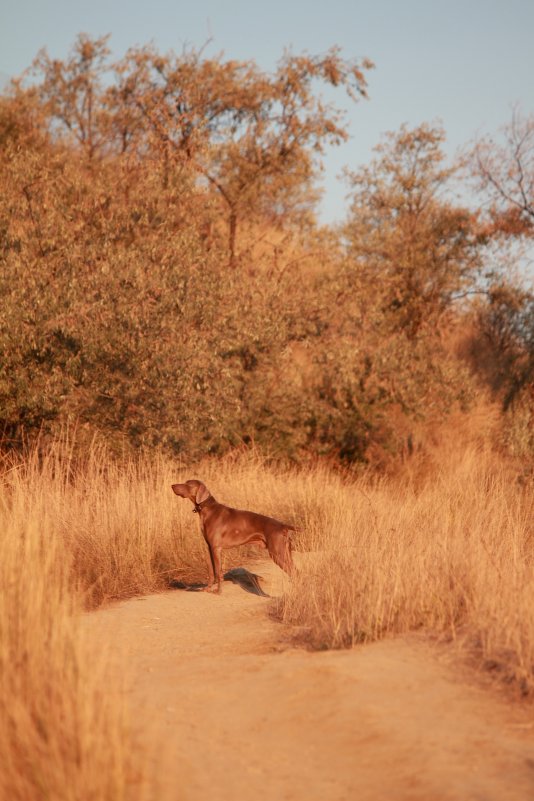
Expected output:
(223, 707)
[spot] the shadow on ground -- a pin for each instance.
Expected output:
(250, 582)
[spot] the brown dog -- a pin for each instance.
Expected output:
(224, 527)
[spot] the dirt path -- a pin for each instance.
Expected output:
(227, 711)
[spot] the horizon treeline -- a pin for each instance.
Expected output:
(164, 280)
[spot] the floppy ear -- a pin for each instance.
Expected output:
(202, 493)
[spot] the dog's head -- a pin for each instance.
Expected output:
(195, 491)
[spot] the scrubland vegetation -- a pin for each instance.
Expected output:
(164, 280)
(170, 301)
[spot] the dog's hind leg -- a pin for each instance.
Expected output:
(279, 546)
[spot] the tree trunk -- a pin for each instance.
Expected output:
(232, 231)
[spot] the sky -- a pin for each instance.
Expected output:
(462, 63)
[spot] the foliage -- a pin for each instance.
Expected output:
(163, 280)
(424, 250)
(249, 137)
(503, 171)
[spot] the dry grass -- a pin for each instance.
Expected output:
(446, 547)
(62, 724)
(452, 554)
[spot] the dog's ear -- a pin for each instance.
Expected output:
(202, 493)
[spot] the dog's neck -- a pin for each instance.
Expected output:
(207, 502)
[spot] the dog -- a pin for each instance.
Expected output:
(224, 527)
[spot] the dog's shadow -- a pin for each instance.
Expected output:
(250, 582)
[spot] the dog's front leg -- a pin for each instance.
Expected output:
(211, 576)
(215, 584)
(215, 579)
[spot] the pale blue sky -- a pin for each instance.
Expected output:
(462, 62)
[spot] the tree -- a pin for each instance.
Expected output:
(251, 137)
(248, 138)
(504, 173)
(419, 251)
(72, 92)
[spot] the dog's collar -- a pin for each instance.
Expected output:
(199, 506)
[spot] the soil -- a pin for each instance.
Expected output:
(223, 707)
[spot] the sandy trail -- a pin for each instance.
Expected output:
(226, 710)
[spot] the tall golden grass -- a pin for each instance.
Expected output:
(450, 552)
(446, 546)
(63, 732)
